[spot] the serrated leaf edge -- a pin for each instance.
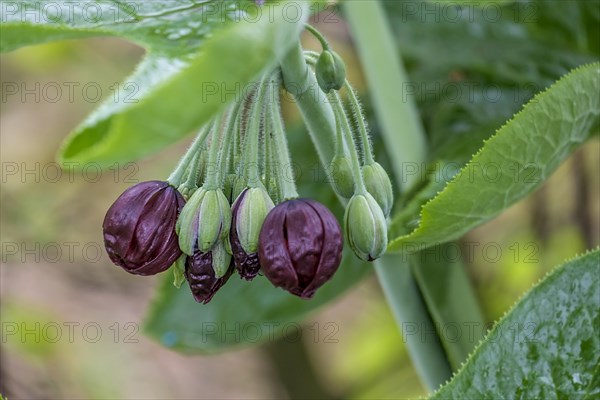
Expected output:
(522, 298)
(482, 148)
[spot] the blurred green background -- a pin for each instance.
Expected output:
(70, 319)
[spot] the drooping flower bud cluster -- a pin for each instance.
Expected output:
(227, 207)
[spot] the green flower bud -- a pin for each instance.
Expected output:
(248, 214)
(205, 220)
(341, 176)
(214, 219)
(378, 184)
(330, 71)
(366, 227)
(251, 208)
(221, 259)
(187, 223)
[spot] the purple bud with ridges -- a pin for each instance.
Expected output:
(200, 274)
(300, 246)
(139, 228)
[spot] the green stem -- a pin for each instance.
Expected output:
(192, 178)
(311, 59)
(228, 132)
(315, 110)
(344, 126)
(404, 135)
(268, 154)
(212, 177)
(235, 142)
(177, 175)
(281, 153)
(362, 126)
(271, 171)
(318, 35)
(253, 134)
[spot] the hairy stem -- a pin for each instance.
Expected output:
(404, 136)
(344, 127)
(177, 175)
(281, 153)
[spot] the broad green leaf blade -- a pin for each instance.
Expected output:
(166, 27)
(516, 160)
(546, 347)
(202, 55)
(187, 99)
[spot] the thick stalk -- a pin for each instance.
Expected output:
(404, 135)
(313, 104)
(253, 134)
(281, 153)
(362, 126)
(393, 270)
(212, 172)
(227, 143)
(318, 36)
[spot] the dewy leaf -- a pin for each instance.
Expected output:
(516, 160)
(174, 29)
(546, 347)
(193, 69)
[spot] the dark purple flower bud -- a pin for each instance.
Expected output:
(201, 276)
(139, 228)
(300, 246)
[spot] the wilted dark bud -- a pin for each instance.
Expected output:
(366, 228)
(248, 214)
(300, 246)
(139, 228)
(341, 176)
(201, 276)
(330, 71)
(378, 184)
(205, 220)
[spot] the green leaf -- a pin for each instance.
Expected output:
(516, 160)
(192, 71)
(165, 27)
(546, 347)
(473, 66)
